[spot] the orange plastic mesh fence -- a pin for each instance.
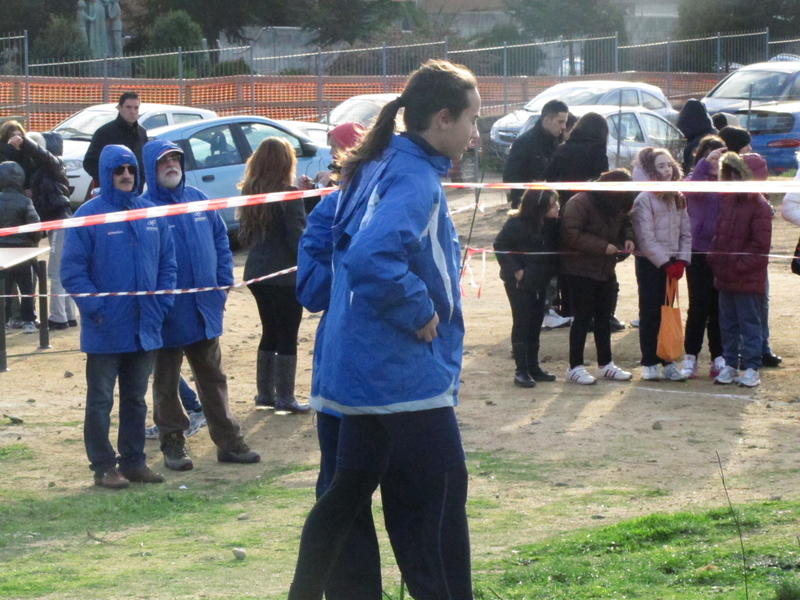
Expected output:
(52, 99)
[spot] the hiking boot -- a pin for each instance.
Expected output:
(716, 367)
(671, 372)
(174, 448)
(111, 479)
(142, 474)
(650, 373)
(242, 454)
(750, 378)
(580, 376)
(689, 366)
(613, 372)
(727, 375)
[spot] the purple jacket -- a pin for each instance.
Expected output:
(703, 208)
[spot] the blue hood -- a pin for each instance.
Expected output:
(110, 158)
(160, 195)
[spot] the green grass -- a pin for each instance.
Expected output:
(661, 556)
(14, 452)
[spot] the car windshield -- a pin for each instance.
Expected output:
(766, 85)
(575, 96)
(82, 126)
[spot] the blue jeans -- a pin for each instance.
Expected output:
(765, 348)
(102, 371)
(740, 321)
(188, 397)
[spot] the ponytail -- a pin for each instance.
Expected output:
(375, 141)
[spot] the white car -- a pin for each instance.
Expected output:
(777, 81)
(316, 132)
(579, 94)
(77, 131)
(630, 128)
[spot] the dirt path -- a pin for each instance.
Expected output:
(571, 440)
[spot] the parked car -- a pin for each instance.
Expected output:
(365, 109)
(316, 132)
(77, 132)
(216, 151)
(580, 94)
(775, 129)
(630, 129)
(772, 81)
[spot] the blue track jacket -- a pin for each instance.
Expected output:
(395, 261)
(203, 254)
(119, 257)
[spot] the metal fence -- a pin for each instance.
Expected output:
(305, 86)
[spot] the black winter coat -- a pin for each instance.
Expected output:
(278, 250)
(528, 159)
(118, 131)
(21, 156)
(517, 236)
(16, 208)
(694, 123)
(49, 184)
(578, 160)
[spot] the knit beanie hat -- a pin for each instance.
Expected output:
(346, 135)
(735, 138)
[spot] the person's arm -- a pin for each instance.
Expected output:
(508, 241)
(91, 159)
(685, 242)
(314, 256)
(223, 247)
(377, 262)
(517, 167)
(76, 260)
(645, 228)
(760, 239)
(294, 216)
(167, 277)
(574, 237)
(31, 216)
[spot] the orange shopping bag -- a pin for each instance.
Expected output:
(670, 334)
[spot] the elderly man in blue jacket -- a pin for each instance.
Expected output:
(194, 324)
(118, 333)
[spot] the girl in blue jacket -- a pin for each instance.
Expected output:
(391, 353)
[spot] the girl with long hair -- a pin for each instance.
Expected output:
(271, 232)
(527, 246)
(664, 239)
(391, 353)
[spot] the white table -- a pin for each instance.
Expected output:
(11, 257)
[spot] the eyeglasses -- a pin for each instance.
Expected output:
(122, 168)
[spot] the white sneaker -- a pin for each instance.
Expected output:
(716, 367)
(727, 375)
(635, 323)
(612, 371)
(28, 327)
(749, 379)
(689, 366)
(580, 376)
(651, 373)
(671, 372)
(552, 320)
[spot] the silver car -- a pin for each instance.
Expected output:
(773, 81)
(216, 151)
(77, 132)
(579, 94)
(630, 129)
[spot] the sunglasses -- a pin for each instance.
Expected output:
(122, 168)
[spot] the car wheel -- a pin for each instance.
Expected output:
(467, 168)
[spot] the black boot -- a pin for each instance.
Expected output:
(616, 324)
(534, 370)
(265, 378)
(521, 376)
(285, 368)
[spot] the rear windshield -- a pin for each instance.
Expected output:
(577, 96)
(763, 123)
(767, 85)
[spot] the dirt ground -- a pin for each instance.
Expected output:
(624, 436)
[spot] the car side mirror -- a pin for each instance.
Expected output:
(308, 148)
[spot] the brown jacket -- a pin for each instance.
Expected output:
(587, 228)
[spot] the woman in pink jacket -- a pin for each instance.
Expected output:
(664, 241)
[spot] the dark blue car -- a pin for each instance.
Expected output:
(775, 128)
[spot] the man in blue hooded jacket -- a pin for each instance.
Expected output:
(194, 324)
(118, 333)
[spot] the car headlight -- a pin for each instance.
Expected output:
(73, 165)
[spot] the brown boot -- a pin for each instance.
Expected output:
(174, 448)
(241, 454)
(142, 474)
(111, 479)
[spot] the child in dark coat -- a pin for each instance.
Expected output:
(527, 247)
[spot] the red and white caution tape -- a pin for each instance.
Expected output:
(166, 210)
(722, 187)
